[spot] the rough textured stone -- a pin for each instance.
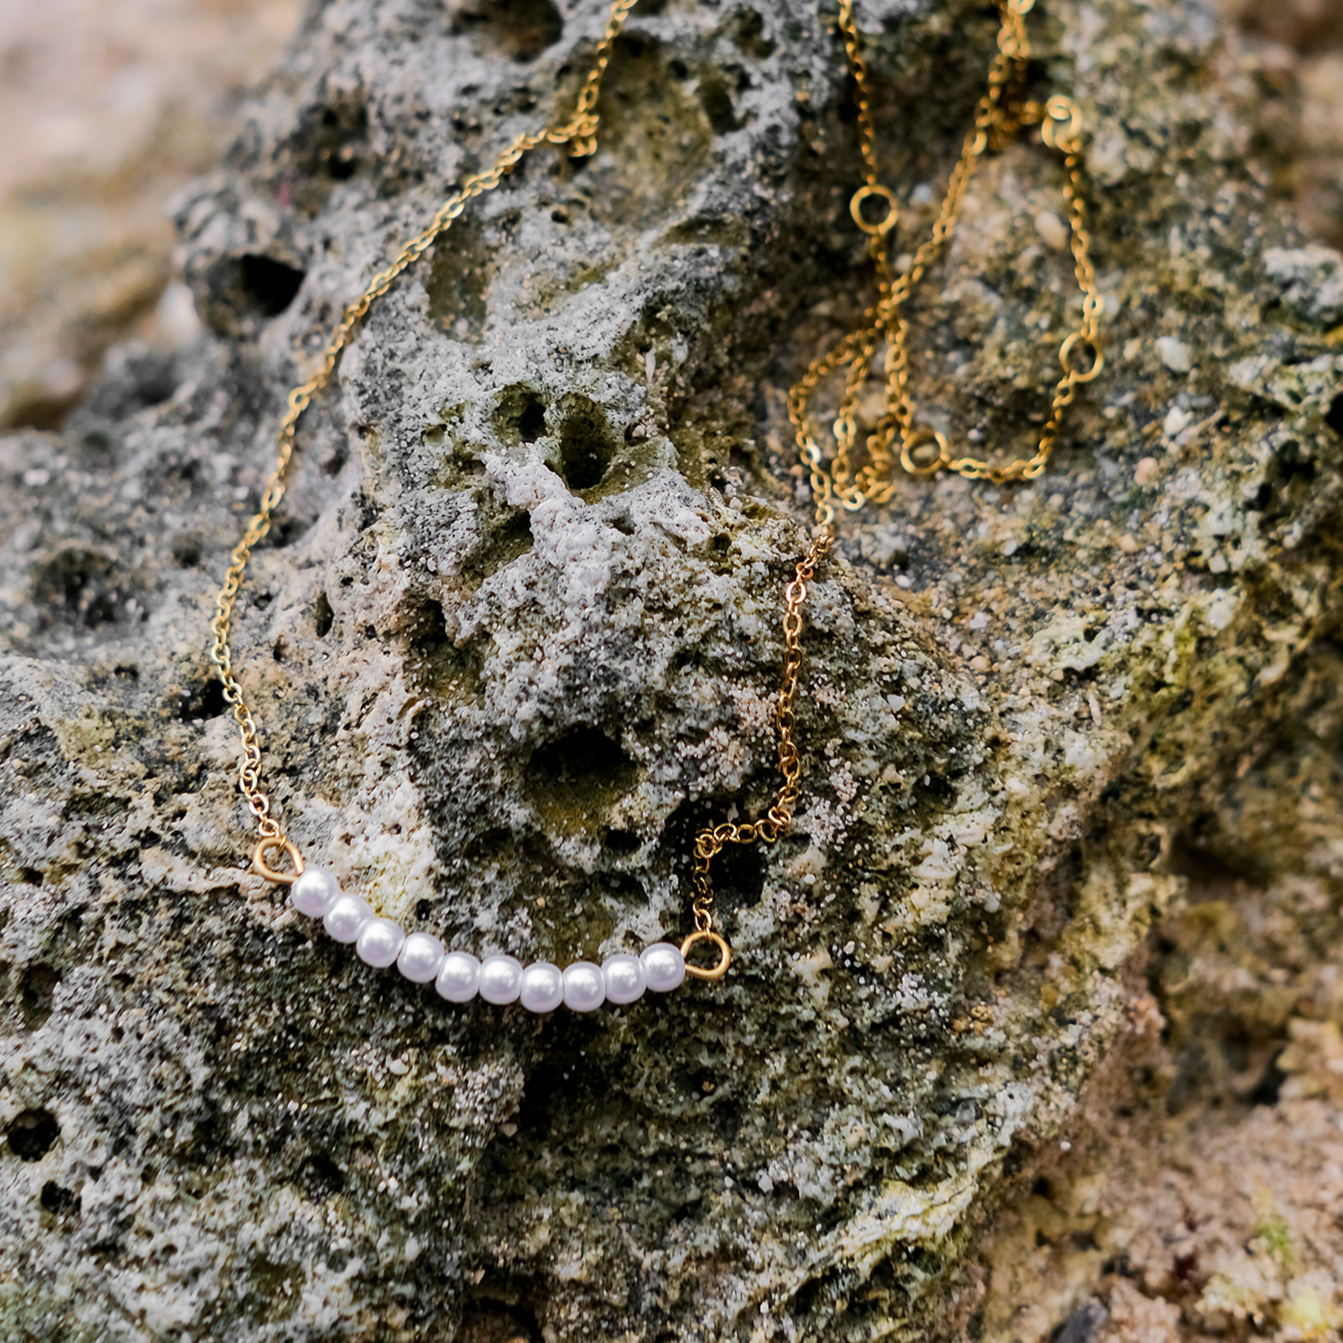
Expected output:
(107, 110)
(516, 637)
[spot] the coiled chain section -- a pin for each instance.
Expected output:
(920, 449)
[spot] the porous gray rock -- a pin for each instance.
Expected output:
(516, 636)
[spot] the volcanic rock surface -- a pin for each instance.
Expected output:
(516, 637)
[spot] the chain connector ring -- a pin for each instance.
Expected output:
(915, 441)
(263, 869)
(874, 192)
(724, 954)
(1066, 357)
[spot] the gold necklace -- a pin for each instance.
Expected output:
(851, 478)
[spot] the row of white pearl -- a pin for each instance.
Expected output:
(458, 976)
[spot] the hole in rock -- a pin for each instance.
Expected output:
(427, 625)
(57, 1201)
(31, 1134)
(329, 142)
(492, 1321)
(1293, 462)
(532, 421)
(323, 616)
(750, 35)
(267, 286)
(152, 378)
(717, 104)
(576, 779)
(186, 552)
(285, 531)
(439, 664)
(320, 1178)
(80, 587)
(583, 754)
(37, 994)
(1268, 1089)
(622, 841)
(587, 444)
(520, 414)
(205, 701)
(1333, 417)
(521, 28)
(740, 869)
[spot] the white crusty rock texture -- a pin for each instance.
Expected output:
(515, 637)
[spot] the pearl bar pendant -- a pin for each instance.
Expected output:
(458, 976)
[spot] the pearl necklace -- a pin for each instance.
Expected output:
(459, 976)
(1003, 110)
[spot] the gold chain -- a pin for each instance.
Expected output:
(923, 451)
(579, 132)
(777, 820)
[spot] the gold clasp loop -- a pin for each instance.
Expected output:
(724, 954)
(874, 192)
(1066, 357)
(263, 869)
(916, 441)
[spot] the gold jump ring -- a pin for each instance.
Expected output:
(263, 869)
(724, 954)
(1066, 357)
(916, 439)
(874, 192)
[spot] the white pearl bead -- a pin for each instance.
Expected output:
(542, 987)
(379, 942)
(624, 978)
(664, 966)
(421, 955)
(584, 989)
(314, 892)
(500, 979)
(347, 916)
(458, 977)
